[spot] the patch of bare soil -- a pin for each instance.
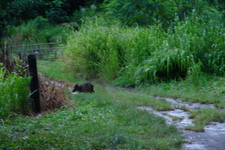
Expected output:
(211, 139)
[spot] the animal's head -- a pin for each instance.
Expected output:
(76, 88)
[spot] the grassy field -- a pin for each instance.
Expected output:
(107, 119)
(203, 89)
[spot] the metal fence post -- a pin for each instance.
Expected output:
(34, 85)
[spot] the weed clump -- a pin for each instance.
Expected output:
(52, 94)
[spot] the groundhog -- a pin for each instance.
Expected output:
(86, 87)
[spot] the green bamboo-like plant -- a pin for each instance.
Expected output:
(14, 95)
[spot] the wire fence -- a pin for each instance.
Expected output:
(26, 65)
(41, 50)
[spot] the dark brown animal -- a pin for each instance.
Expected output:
(87, 87)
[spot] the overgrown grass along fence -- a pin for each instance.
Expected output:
(15, 82)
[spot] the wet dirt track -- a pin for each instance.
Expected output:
(213, 138)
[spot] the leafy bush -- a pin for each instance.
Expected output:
(26, 31)
(131, 11)
(55, 12)
(19, 10)
(150, 12)
(51, 33)
(39, 30)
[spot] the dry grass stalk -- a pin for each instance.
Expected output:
(51, 94)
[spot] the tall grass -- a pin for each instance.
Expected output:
(14, 95)
(142, 55)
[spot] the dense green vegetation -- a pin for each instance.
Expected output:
(14, 95)
(138, 55)
(203, 89)
(107, 119)
(178, 40)
(99, 121)
(171, 48)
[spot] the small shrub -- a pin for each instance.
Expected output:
(39, 30)
(51, 33)
(26, 31)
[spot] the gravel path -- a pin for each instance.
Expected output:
(213, 138)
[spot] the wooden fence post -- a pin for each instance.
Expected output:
(34, 85)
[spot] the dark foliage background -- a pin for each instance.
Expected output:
(15, 12)
(130, 12)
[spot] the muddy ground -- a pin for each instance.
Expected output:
(213, 137)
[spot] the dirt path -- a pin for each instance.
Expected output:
(213, 138)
